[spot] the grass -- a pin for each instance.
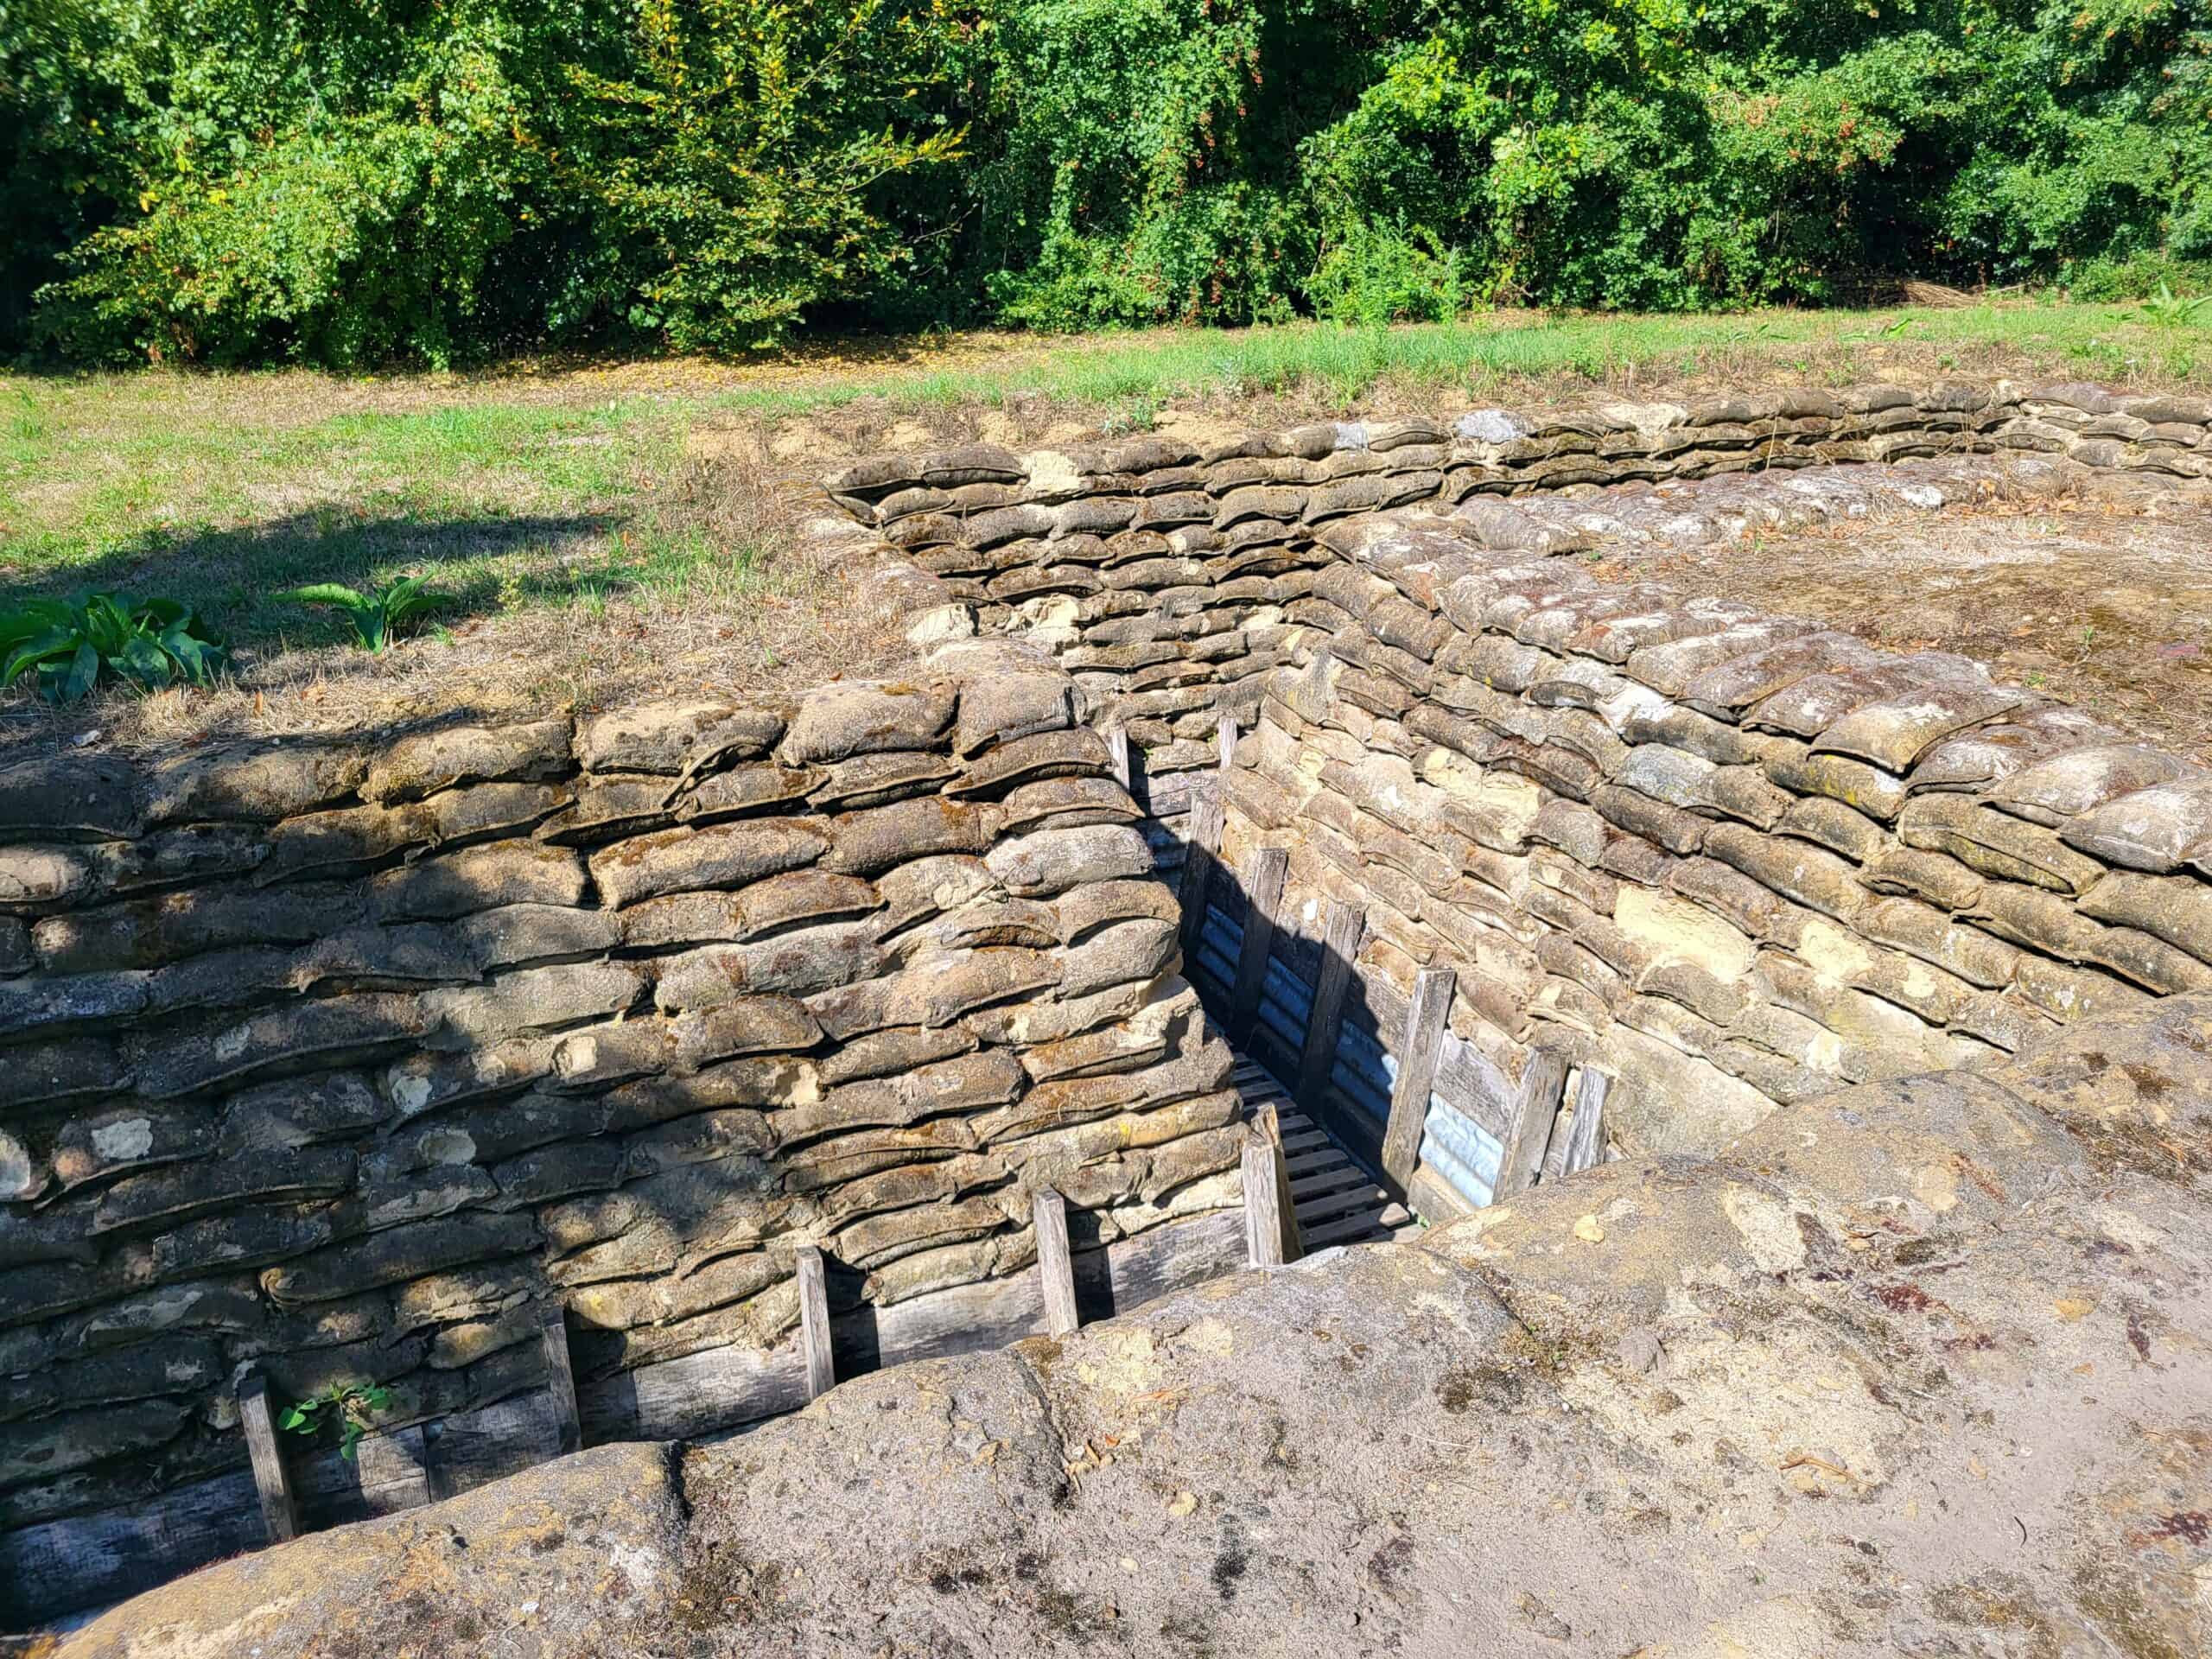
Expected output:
(597, 503)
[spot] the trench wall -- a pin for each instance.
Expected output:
(336, 1060)
(1722, 860)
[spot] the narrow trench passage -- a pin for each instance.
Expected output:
(1336, 1197)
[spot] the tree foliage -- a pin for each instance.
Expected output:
(354, 181)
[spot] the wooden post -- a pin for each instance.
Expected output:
(1267, 1123)
(1586, 1142)
(1262, 893)
(1225, 735)
(560, 1375)
(1262, 1208)
(1118, 753)
(1533, 1108)
(1417, 1056)
(1198, 861)
(1340, 938)
(280, 1513)
(814, 1322)
(1055, 1265)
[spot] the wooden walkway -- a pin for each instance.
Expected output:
(1336, 1201)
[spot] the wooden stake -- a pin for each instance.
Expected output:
(1340, 938)
(1541, 1080)
(1055, 1263)
(1267, 1123)
(1118, 753)
(280, 1513)
(1198, 861)
(1586, 1144)
(1263, 893)
(1417, 1056)
(814, 1324)
(560, 1376)
(1262, 1208)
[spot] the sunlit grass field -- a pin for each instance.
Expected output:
(582, 485)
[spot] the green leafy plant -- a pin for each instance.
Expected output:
(346, 1405)
(376, 616)
(71, 644)
(2169, 310)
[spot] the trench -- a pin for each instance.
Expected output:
(1494, 866)
(1484, 868)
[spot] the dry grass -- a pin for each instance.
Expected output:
(603, 529)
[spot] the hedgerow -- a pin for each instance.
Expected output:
(357, 181)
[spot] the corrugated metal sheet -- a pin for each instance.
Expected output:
(1364, 1071)
(1286, 1004)
(1461, 1151)
(1221, 946)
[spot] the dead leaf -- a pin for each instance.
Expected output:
(1808, 1460)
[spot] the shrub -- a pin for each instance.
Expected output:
(228, 181)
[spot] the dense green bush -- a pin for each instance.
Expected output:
(342, 182)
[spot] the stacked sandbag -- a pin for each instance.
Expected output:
(1162, 572)
(338, 1058)
(1728, 859)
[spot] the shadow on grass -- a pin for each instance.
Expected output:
(479, 565)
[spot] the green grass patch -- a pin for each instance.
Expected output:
(519, 491)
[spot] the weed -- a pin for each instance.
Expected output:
(376, 616)
(346, 1405)
(72, 644)
(2168, 310)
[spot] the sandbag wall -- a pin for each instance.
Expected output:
(1720, 859)
(1162, 573)
(1727, 860)
(334, 1061)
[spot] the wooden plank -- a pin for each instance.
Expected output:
(1055, 1264)
(1435, 1198)
(1367, 1197)
(492, 1442)
(1418, 1049)
(64, 1566)
(1199, 864)
(560, 1376)
(387, 1472)
(1262, 1213)
(1339, 944)
(1471, 1083)
(722, 1388)
(1263, 879)
(1585, 1132)
(1267, 1123)
(1334, 1180)
(1350, 1229)
(1225, 736)
(814, 1324)
(1355, 1131)
(280, 1514)
(1555, 1146)
(1537, 1103)
(1117, 756)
